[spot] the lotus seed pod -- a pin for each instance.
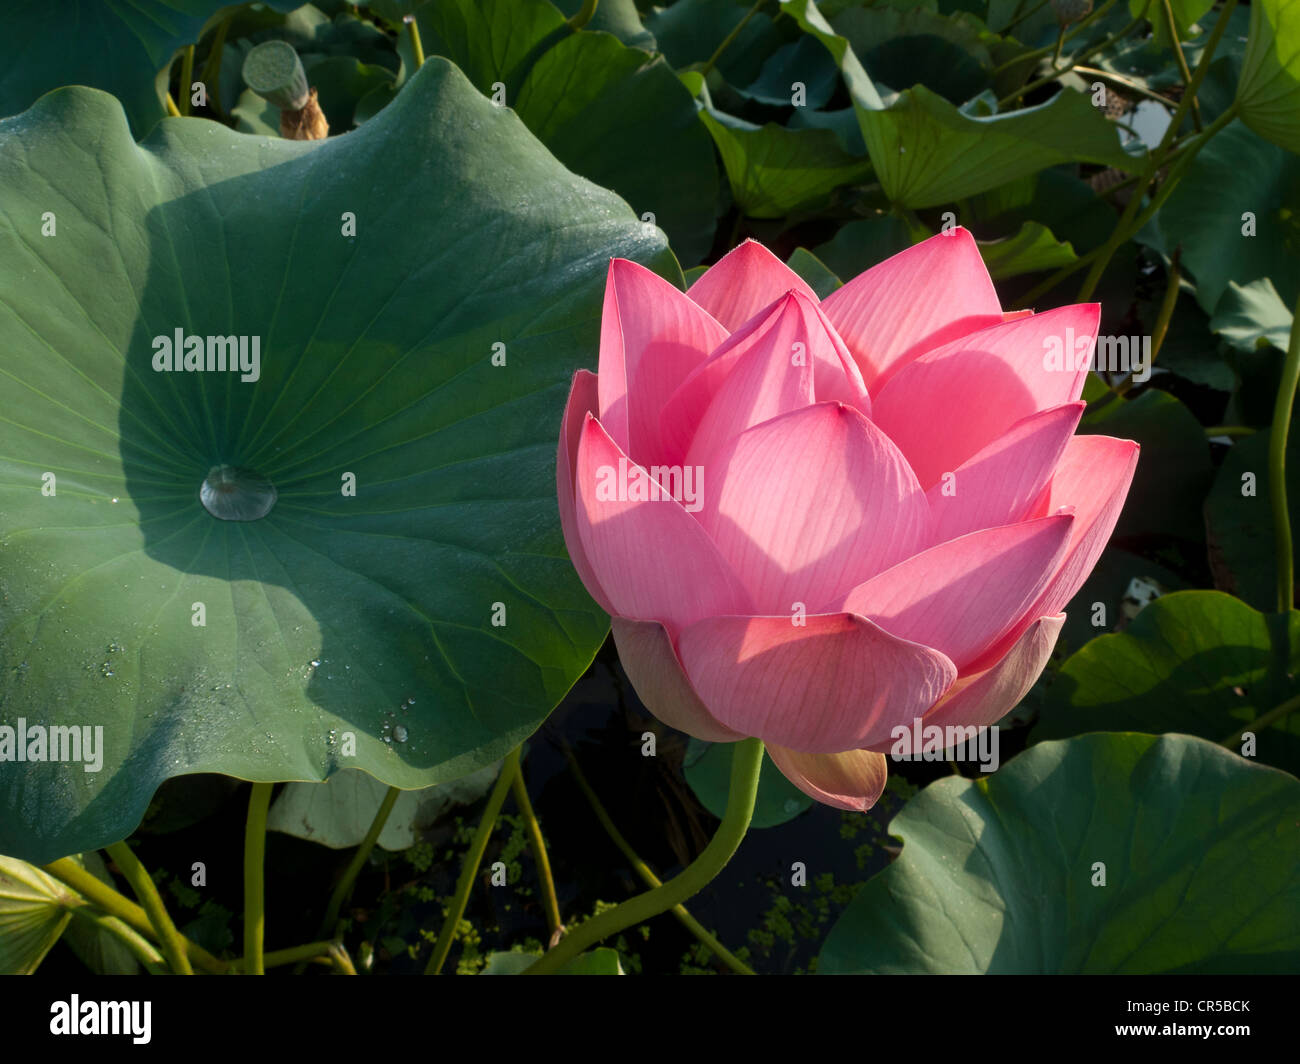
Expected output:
(1068, 11)
(274, 71)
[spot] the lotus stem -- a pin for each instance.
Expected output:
(1161, 328)
(254, 880)
(211, 74)
(730, 38)
(173, 945)
(647, 875)
(1183, 69)
(1264, 720)
(584, 15)
(540, 857)
(469, 868)
(98, 893)
(745, 766)
(417, 45)
(187, 78)
(1277, 469)
(1125, 226)
(344, 887)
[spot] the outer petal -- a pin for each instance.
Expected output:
(1093, 478)
(810, 504)
(744, 281)
(581, 402)
(656, 672)
(984, 698)
(651, 337)
(947, 404)
(1000, 484)
(916, 300)
(793, 359)
(652, 558)
(965, 596)
(837, 682)
(853, 780)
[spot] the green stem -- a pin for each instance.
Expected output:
(746, 763)
(1172, 26)
(1127, 224)
(417, 45)
(187, 77)
(469, 868)
(1038, 53)
(1126, 83)
(1277, 469)
(141, 948)
(1230, 430)
(211, 73)
(341, 958)
(344, 887)
(1163, 317)
(647, 875)
(538, 844)
(1124, 227)
(730, 38)
(583, 16)
(1021, 17)
(99, 893)
(254, 880)
(1074, 62)
(1264, 720)
(172, 110)
(1183, 154)
(173, 945)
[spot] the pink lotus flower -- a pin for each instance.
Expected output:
(814, 521)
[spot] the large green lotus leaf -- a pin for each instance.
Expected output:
(775, 171)
(439, 596)
(1235, 174)
(1202, 867)
(116, 45)
(905, 46)
(926, 151)
(1200, 662)
(1239, 518)
(34, 910)
(1269, 90)
(607, 111)
(625, 121)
